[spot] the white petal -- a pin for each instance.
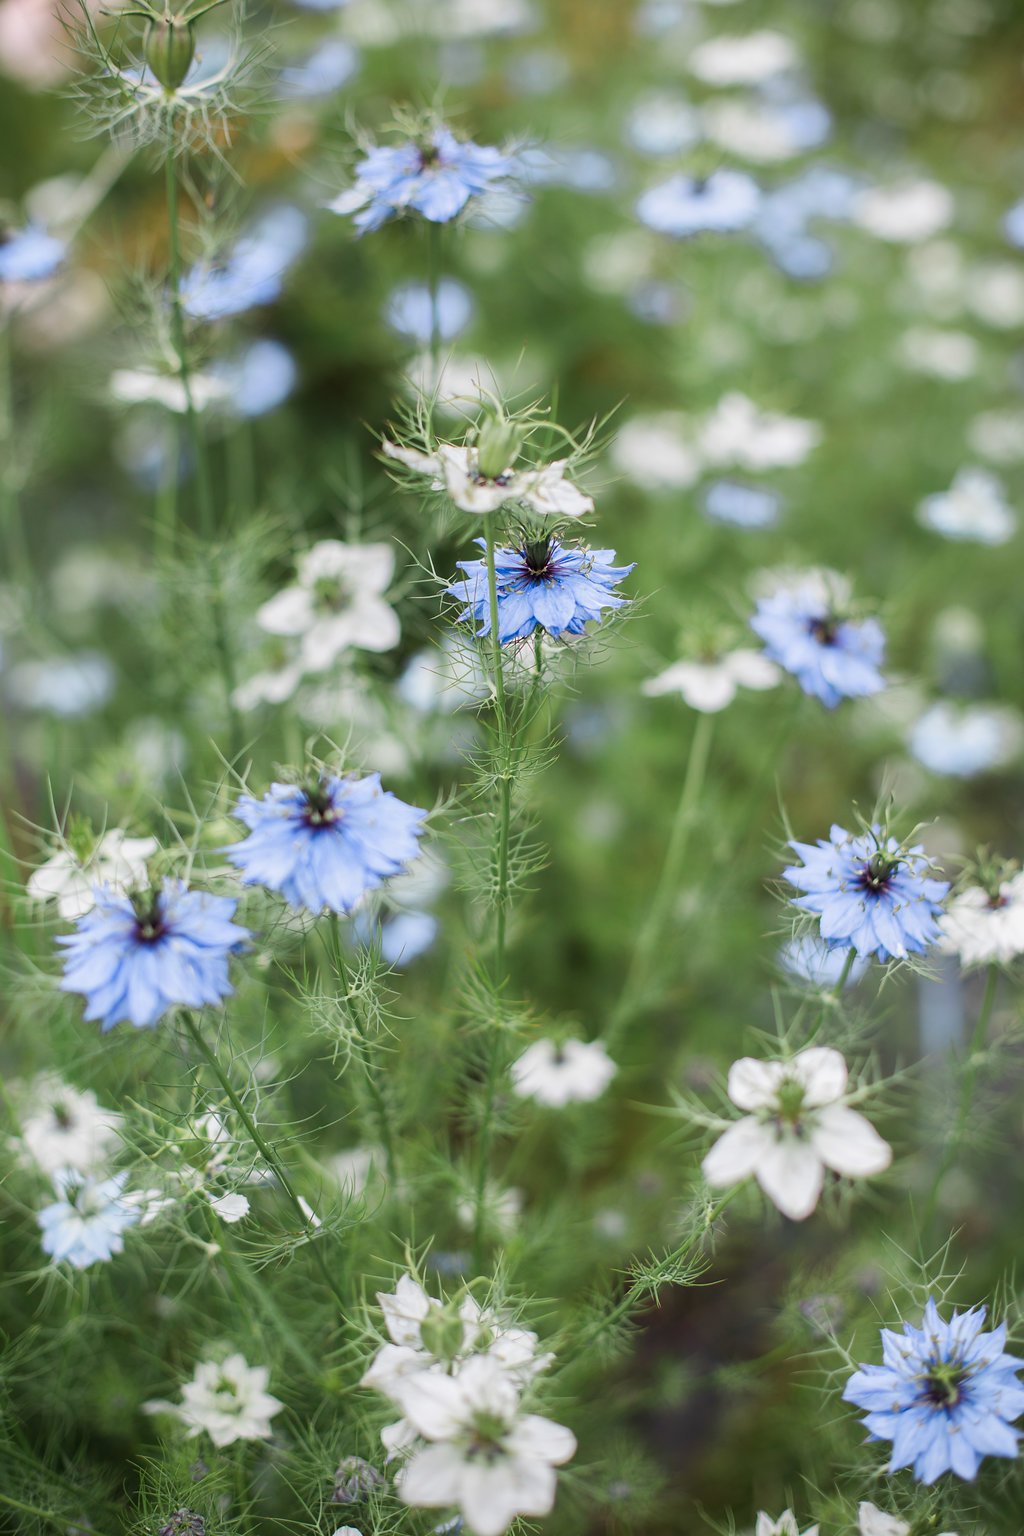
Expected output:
(543, 1438)
(433, 1403)
(752, 669)
(872, 1521)
(821, 1072)
(791, 1175)
(754, 1084)
(230, 1208)
(736, 1154)
(426, 463)
(848, 1143)
(288, 613)
(492, 1495)
(433, 1477)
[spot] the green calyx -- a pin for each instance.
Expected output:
(170, 48)
(442, 1332)
(497, 446)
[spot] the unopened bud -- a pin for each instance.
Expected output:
(497, 446)
(184, 1522)
(355, 1480)
(170, 49)
(443, 1333)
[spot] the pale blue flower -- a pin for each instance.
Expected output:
(29, 255)
(435, 178)
(325, 845)
(259, 378)
(869, 893)
(831, 657)
(409, 310)
(1013, 224)
(86, 1225)
(946, 1395)
(252, 272)
(741, 504)
(320, 73)
(134, 957)
(722, 203)
(541, 584)
(810, 959)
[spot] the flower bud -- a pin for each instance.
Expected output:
(355, 1480)
(184, 1522)
(170, 49)
(497, 446)
(442, 1333)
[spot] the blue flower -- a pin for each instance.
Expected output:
(831, 657)
(435, 178)
(1013, 224)
(133, 957)
(321, 72)
(741, 504)
(409, 310)
(945, 1396)
(86, 1225)
(28, 255)
(810, 959)
(870, 894)
(258, 379)
(722, 203)
(541, 584)
(252, 273)
(324, 846)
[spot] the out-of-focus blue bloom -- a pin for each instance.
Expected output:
(1013, 224)
(28, 255)
(663, 124)
(253, 271)
(402, 936)
(87, 1225)
(326, 69)
(782, 225)
(946, 1395)
(541, 584)
(966, 741)
(409, 310)
(832, 658)
(326, 845)
(741, 504)
(65, 686)
(656, 303)
(722, 203)
(134, 957)
(259, 378)
(869, 893)
(321, 5)
(577, 167)
(819, 964)
(435, 179)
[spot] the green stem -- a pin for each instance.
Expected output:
(434, 292)
(967, 1086)
(11, 522)
(382, 1113)
(266, 1151)
(652, 931)
(501, 894)
(45, 1514)
(844, 974)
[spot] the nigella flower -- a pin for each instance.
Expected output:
(435, 177)
(86, 1225)
(134, 957)
(479, 477)
(29, 255)
(803, 628)
(541, 584)
(722, 203)
(984, 922)
(945, 1396)
(869, 893)
(326, 844)
(253, 271)
(228, 1401)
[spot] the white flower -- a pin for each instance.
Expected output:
(905, 213)
(797, 1127)
(228, 1400)
(229, 1208)
(981, 929)
(116, 860)
(975, 508)
(273, 686)
(872, 1521)
(998, 435)
(64, 1127)
(785, 1525)
(336, 604)
(485, 1456)
(745, 60)
(995, 294)
(455, 469)
(951, 355)
(146, 386)
(556, 1074)
(738, 432)
(711, 686)
(653, 452)
(502, 1210)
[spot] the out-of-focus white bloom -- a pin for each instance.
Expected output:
(227, 1400)
(872, 1521)
(810, 959)
(557, 1073)
(906, 212)
(998, 436)
(455, 469)
(117, 860)
(502, 1210)
(355, 1168)
(710, 686)
(336, 604)
(273, 686)
(460, 1416)
(737, 432)
(662, 124)
(974, 508)
(147, 386)
(744, 60)
(65, 686)
(443, 678)
(995, 294)
(654, 452)
(981, 928)
(966, 740)
(950, 355)
(65, 1127)
(785, 1525)
(797, 1125)
(762, 131)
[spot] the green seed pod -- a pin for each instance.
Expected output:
(497, 446)
(170, 49)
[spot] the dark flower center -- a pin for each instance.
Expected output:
(825, 630)
(430, 157)
(320, 810)
(486, 1436)
(876, 875)
(537, 556)
(501, 480)
(943, 1384)
(149, 917)
(62, 1116)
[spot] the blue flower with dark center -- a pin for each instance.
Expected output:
(869, 893)
(435, 178)
(541, 584)
(325, 845)
(945, 1396)
(252, 273)
(28, 255)
(831, 657)
(86, 1225)
(134, 957)
(722, 203)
